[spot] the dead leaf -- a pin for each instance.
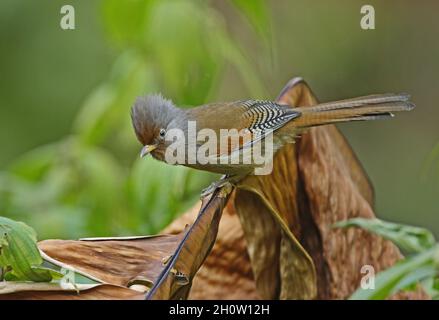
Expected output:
(226, 273)
(117, 262)
(102, 292)
(175, 280)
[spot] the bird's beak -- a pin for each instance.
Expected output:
(147, 149)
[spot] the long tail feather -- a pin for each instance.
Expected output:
(371, 107)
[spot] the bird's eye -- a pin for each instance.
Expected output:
(162, 133)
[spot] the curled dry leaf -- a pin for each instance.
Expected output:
(175, 279)
(116, 264)
(227, 272)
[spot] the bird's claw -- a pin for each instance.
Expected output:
(225, 189)
(209, 190)
(225, 185)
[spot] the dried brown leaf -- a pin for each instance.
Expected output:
(102, 292)
(226, 273)
(176, 279)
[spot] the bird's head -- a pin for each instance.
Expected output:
(152, 116)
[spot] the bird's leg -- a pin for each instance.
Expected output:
(215, 185)
(226, 180)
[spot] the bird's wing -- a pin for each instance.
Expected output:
(264, 117)
(253, 119)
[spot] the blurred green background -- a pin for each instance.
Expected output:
(69, 162)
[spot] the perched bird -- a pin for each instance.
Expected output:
(153, 117)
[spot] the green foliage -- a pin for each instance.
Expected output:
(410, 239)
(420, 267)
(91, 182)
(402, 276)
(19, 255)
(20, 258)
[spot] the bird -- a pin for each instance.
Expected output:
(257, 121)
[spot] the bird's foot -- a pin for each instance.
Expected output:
(224, 183)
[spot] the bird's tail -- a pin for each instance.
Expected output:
(373, 107)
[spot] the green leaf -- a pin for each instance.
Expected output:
(404, 274)
(431, 287)
(19, 252)
(408, 238)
